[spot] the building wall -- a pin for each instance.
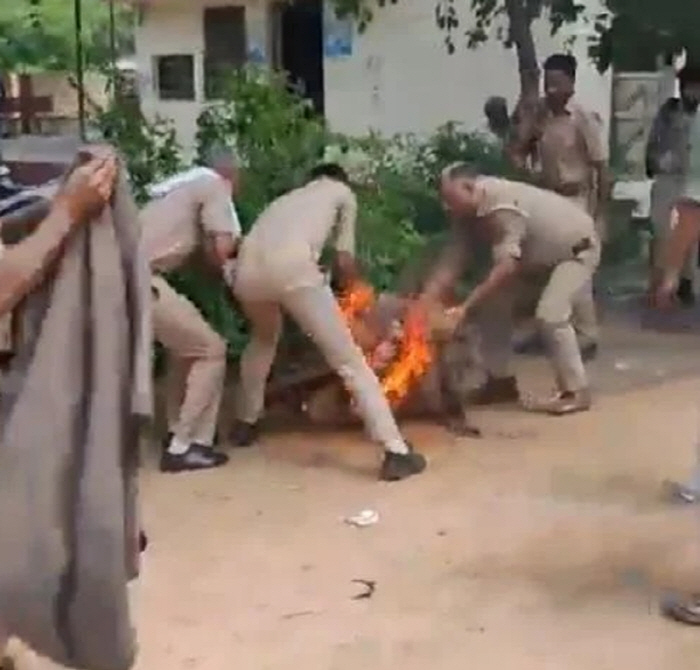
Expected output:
(65, 97)
(399, 77)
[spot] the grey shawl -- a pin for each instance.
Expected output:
(69, 448)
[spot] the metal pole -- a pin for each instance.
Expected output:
(79, 65)
(113, 50)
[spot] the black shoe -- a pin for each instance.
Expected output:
(589, 351)
(169, 436)
(400, 466)
(197, 457)
(685, 294)
(682, 609)
(245, 434)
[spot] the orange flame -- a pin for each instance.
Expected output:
(413, 360)
(357, 299)
(415, 352)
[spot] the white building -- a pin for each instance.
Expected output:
(396, 77)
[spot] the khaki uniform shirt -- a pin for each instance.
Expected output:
(569, 145)
(284, 246)
(183, 207)
(546, 229)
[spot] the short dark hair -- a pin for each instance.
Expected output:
(690, 74)
(331, 171)
(460, 170)
(496, 103)
(565, 63)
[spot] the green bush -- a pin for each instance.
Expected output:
(276, 135)
(150, 148)
(279, 139)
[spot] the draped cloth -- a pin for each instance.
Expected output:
(70, 408)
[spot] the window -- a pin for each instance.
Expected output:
(224, 46)
(175, 77)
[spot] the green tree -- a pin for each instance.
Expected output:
(627, 34)
(636, 32)
(509, 21)
(40, 34)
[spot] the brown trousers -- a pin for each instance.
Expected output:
(196, 366)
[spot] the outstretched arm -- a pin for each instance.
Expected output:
(23, 266)
(507, 252)
(451, 264)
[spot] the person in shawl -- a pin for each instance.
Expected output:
(25, 266)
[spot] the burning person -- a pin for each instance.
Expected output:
(278, 270)
(420, 376)
(543, 246)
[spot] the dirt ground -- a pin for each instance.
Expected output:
(544, 545)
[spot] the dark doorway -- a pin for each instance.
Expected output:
(224, 47)
(299, 47)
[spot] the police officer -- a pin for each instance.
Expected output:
(278, 270)
(191, 209)
(571, 159)
(545, 250)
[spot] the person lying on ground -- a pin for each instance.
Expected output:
(545, 250)
(440, 394)
(278, 271)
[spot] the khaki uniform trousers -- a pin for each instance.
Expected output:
(555, 296)
(585, 316)
(315, 310)
(196, 366)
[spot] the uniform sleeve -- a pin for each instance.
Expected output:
(347, 221)
(218, 213)
(511, 229)
(591, 126)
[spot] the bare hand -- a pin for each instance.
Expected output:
(88, 188)
(444, 322)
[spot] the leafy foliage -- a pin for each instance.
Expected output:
(279, 140)
(275, 133)
(40, 34)
(150, 148)
(631, 34)
(628, 34)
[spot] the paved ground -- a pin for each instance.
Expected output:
(544, 545)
